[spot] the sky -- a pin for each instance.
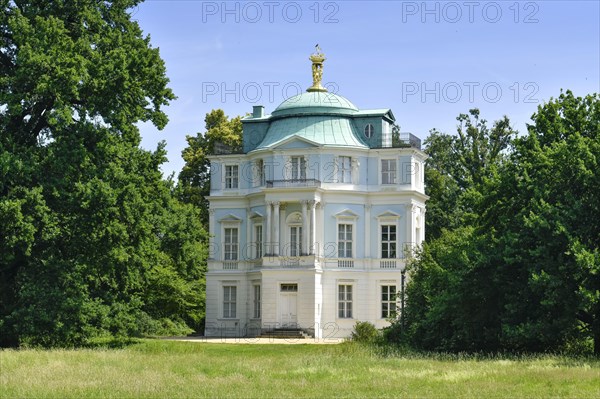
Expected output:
(426, 61)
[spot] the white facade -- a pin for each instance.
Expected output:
(311, 225)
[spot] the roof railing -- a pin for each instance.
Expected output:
(293, 183)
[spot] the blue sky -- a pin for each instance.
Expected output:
(427, 61)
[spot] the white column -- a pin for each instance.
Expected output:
(367, 230)
(247, 246)
(276, 230)
(305, 227)
(410, 233)
(212, 249)
(268, 246)
(423, 212)
(313, 227)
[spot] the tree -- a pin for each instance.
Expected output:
(545, 217)
(457, 167)
(93, 241)
(452, 295)
(523, 274)
(222, 134)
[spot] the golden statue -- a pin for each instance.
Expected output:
(317, 69)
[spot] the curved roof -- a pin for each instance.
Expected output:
(315, 102)
(327, 130)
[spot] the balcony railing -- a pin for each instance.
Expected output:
(307, 262)
(388, 264)
(293, 183)
(230, 265)
(409, 139)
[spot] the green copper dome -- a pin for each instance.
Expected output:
(325, 130)
(315, 102)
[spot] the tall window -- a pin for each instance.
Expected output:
(344, 240)
(388, 171)
(388, 241)
(260, 173)
(298, 165)
(344, 301)
(388, 301)
(229, 302)
(230, 244)
(258, 240)
(345, 170)
(369, 131)
(231, 176)
(256, 313)
(295, 240)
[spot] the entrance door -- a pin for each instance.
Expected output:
(288, 305)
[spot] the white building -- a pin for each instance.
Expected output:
(312, 223)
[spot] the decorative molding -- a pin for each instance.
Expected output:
(346, 214)
(388, 215)
(230, 218)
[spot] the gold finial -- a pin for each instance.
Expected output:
(317, 69)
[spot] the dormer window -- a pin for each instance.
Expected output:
(369, 130)
(231, 176)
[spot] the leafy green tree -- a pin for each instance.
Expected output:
(457, 167)
(452, 299)
(92, 239)
(546, 220)
(222, 135)
(523, 276)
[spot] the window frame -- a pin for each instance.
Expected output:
(345, 298)
(346, 242)
(260, 173)
(258, 240)
(229, 180)
(257, 296)
(389, 301)
(389, 242)
(392, 175)
(233, 244)
(344, 172)
(369, 130)
(297, 167)
(229, 301)
(295, 250)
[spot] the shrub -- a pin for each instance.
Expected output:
(364, 332)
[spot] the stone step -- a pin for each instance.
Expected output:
(285, 334)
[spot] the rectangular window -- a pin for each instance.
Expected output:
(388, 241)
(295, 240)
(298, 168)
(388, 301)
(229, 302)
(344, 241)
(345, 301)
(231, 176)
(230, 244)
(388, 171)
(345, 170)
(260, 173)
(258, 240)
(289, 287)
(257, 301)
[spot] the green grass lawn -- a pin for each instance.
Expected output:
(168, 369)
